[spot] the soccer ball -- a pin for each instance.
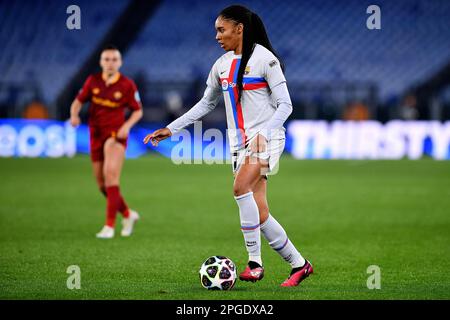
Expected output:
(218, 273)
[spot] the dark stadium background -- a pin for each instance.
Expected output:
(394, 81)
(337, 68)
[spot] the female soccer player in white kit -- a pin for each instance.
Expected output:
(250, 78)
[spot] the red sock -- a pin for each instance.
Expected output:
(123, 208)
(113, 204)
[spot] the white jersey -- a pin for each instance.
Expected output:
(249, 116)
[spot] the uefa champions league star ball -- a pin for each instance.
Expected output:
(218, 273)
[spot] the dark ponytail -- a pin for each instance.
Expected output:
(254, 33)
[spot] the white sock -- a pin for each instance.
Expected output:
(279, 241)
(249, 214)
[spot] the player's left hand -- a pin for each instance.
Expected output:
(259, 144)
(123, 132)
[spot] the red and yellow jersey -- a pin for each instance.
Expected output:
(108, 103)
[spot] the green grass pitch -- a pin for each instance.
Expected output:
(342, 215)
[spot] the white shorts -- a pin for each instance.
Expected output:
(274, 149)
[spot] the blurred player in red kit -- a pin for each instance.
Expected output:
(110, 93)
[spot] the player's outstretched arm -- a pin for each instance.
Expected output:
(202, 108)
(157, 136)
(74, 113)
(206, 104)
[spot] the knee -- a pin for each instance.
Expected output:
(110, 176)
(240, 188)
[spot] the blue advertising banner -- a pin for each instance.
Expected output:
(304, 140)
(36, 138)
(49, 138)
(395, 139)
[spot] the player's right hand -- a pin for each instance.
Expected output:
(75, 121)
(157, 136)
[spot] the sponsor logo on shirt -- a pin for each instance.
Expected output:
(105, 102)
(226, 84)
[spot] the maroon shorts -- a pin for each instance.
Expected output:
(98, 137)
